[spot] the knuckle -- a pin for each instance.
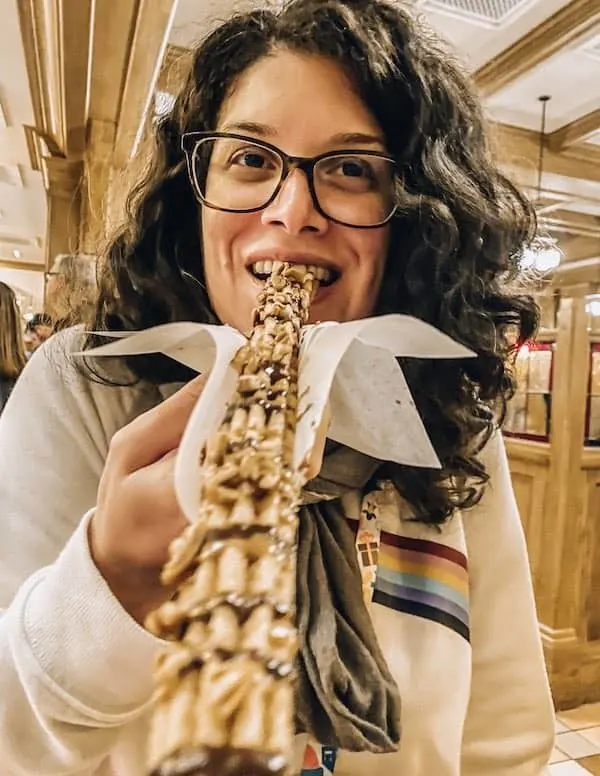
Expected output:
(119, 443)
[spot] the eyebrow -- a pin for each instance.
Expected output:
(343, 138)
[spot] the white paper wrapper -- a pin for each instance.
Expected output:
(352, 365)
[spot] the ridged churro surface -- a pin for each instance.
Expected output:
(225, 683)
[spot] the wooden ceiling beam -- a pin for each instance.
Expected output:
(575, 132)
(38, 62)
(519, 148)
(75, 23)
(87, 59)
(550, 205)
(56, 40)
(564, 28)
(21, 265)
(150, 35)
(572, 223)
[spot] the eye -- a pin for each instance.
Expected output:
(349, 169)
(353, 174)
(256, 158)
(355, 168)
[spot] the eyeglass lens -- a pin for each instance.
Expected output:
(237, 175)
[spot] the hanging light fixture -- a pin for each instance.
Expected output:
(592, 305)
(543, 253)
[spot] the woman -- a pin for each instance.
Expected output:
(12, 348)
(397, 198)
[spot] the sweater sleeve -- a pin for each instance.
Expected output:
(510, 722)
(74, 667)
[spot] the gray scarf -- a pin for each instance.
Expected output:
(346, 694)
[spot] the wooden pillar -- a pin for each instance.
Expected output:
(561, 594)
(63, 183)
(97, 180)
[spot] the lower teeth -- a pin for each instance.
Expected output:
(265, 277)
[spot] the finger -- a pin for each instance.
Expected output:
(154, 487)
(315, 461)
(158, 431)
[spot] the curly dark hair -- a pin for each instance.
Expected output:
(456, 240)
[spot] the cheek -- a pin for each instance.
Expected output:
(373, 253)
(220, 233)
(213, 236)
(373, 250)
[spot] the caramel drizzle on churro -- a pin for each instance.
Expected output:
(225, 683)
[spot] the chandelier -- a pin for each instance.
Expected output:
(542, 253)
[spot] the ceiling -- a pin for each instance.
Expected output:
(477, 42)
(562, 61)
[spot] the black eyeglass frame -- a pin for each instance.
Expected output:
(190, 141)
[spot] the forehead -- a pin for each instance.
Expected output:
(303, 97)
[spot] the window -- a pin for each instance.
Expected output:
(592, 421)
(528, 412)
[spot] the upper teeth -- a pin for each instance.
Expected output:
(266, 268)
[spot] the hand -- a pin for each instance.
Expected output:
(137, 514)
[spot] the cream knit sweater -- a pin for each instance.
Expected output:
(454, 611)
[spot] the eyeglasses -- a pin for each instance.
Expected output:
(239, 174)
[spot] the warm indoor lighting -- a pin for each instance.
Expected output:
(543, 254)
(16, 253)
(592, 305)
(163, 103)
(524, 351)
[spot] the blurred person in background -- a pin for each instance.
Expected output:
(12, 348)
(37, 331)
(71, 289)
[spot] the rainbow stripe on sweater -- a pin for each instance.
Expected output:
(424, 578)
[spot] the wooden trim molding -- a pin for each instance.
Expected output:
(562, 29)
(56, 40)
(39, 146)
(575, 132)
(34, 147)
(74, 28)
(569, 222)
(580, 272)
(152, 27)
(525, 450)
(22, 266)
(519, 148)
(590, 458)
(32, 34)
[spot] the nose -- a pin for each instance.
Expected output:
(293, 208)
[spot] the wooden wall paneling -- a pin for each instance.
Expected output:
(529, 470)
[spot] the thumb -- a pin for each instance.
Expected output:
(158, 431)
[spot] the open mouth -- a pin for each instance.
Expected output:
(263, 269)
